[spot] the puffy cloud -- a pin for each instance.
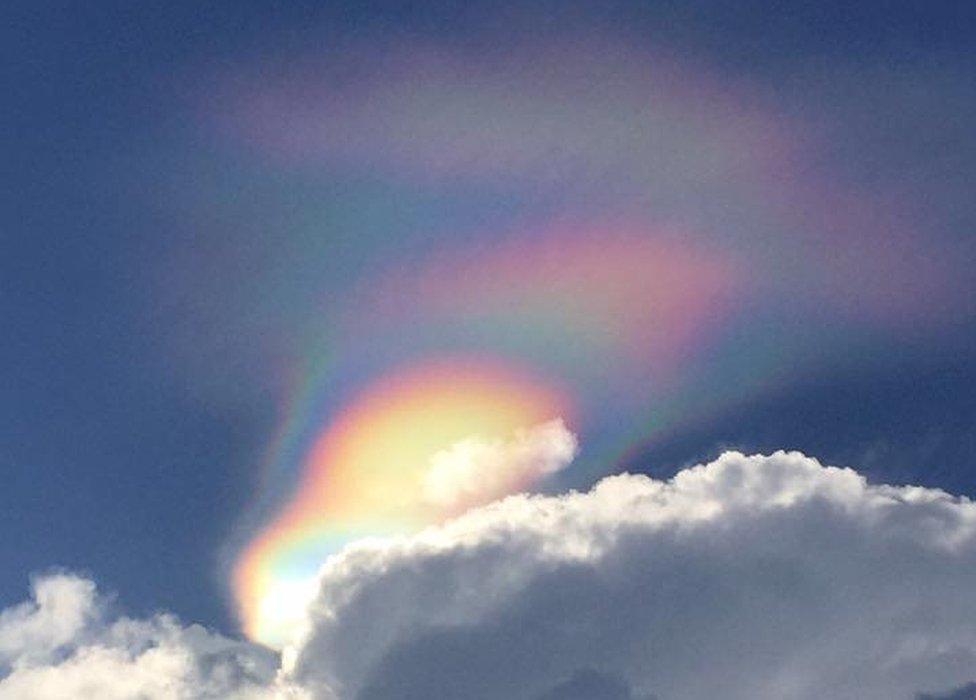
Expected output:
(478, 470)
(63, 644)
(750, 577)
(62, 605)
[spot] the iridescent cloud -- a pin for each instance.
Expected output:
(653, 243)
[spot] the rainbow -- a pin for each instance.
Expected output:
(631, 263)
(580, 323)
(641, 296)
(363, 475)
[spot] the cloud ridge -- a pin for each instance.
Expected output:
(761, 577)
(749, 577)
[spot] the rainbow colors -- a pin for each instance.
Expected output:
(364, 475)
(587, 232)
(640, 295)
(591, 315)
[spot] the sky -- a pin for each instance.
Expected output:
(347, 343)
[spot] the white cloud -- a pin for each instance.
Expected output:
(478, 470)
(64, 645)
(62, 606)
(750, 577)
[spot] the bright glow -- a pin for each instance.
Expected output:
(476, 469)
(367, 472)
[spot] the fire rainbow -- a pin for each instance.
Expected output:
(364, 475)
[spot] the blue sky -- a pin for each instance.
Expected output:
(162, 280)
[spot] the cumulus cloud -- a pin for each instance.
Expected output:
(750, 577)
(63, 644)
(759, 577)
(61, 607)
(478, 470)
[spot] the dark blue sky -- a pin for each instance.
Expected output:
(118, 460)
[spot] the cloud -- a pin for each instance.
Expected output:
(759, 577)
(64, 644)
(538, 111)
(62, 606)
(966, 692)
(590, 685)
(750, 577)
(478, 470)
(604, 123)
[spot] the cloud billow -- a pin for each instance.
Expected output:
(475, 468)
(760, 577)
(64, 644)
(750, 577)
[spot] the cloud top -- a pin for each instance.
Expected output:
(751, 577)
(64, 644)
(480, 470)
